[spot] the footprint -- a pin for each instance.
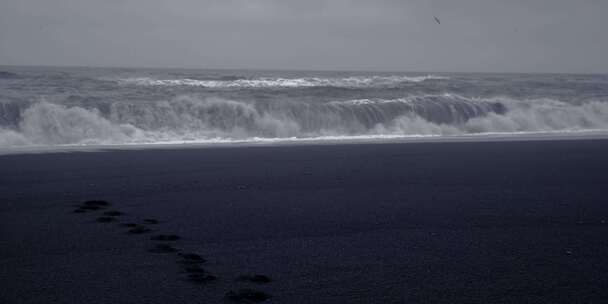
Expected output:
(191, 258)
(139, 230)
(256, 278)
(194, 269)
(113, 213)
(105, 219)
(201, 278)
(163, 248)
(247, 295)
(90, 207)
(97, 203)
(165, 237)
(151, 221)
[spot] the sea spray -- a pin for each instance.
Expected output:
(190, 118)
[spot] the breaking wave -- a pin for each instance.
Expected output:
(193, 119)
(227, 82)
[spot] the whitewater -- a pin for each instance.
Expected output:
(55, 107)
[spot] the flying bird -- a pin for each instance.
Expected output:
(437, 20)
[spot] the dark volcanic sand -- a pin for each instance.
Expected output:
(487, 222)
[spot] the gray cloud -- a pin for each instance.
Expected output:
(475, 35)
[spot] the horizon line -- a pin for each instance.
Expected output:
(293, 69)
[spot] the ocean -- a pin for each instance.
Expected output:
(55, 107)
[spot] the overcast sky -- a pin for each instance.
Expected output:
(474, 35)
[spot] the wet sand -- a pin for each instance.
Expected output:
(474, 222)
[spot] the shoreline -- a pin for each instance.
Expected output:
(353, 140)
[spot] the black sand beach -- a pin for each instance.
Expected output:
(477, 222)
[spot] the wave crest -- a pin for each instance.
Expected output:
(193, 119)
(308, 82)
(48, 123)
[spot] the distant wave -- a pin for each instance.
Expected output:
(8, 75)
(194, 119)
(348, 82)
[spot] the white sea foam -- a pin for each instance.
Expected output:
(189, 119)
(347, 82)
